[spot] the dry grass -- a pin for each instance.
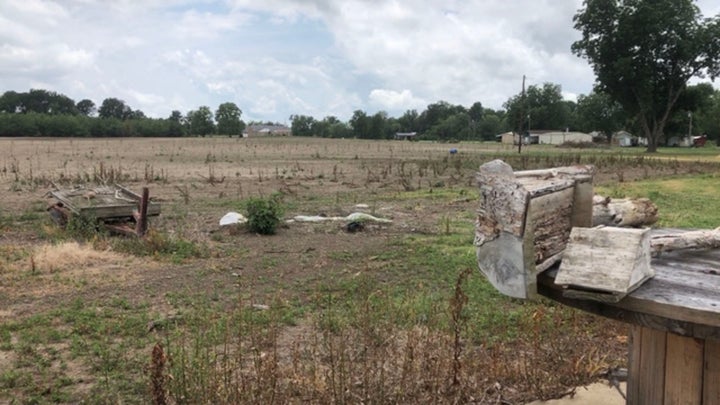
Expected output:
(72, 256)
(321, 341)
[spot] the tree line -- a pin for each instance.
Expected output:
(643, 53)
(41, 112)
(541, 107)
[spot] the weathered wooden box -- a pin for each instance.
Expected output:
(605, 264)
(104, 202)
(524, 221)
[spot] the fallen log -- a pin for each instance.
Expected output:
(685, 240)
(624, 212)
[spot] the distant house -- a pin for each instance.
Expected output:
(509, 138)
(405, 136)
(549, 137)
(266, 130)
(624, 138)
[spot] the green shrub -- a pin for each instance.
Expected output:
(83, 227)
(264, 214)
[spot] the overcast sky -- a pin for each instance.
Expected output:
(274, 58)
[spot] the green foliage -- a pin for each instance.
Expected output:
(115, 108)
(159, 244)
(542, 108)
(83, 227)
(671, 196)
(228, 119)
(644, 52)
(264, 214)
(201, 121)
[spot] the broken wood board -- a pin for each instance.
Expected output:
(677, 240)
(605, 263)
(524, 221)
(104, 202)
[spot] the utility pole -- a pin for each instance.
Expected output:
(521, 119)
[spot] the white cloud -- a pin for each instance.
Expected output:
(274, 58)
(394, 100)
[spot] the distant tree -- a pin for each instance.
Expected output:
(378, 128)
(114, 108)
(36, 100)
(409, 121)
(11, 102)
(476, 111)
(86, 107)
(201, 121)
(453, 128)
(360, 124)
(644, 52)
(228, 119)
(301, 125)
(693, 103)
(436, 113)
(598, 112)
(136, 115)
(175, 124)
(544, 108)
(490, 125)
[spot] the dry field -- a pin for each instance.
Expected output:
(383, 315)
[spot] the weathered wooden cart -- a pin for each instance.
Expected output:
(113, 206)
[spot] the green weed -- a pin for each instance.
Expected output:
(264, 214)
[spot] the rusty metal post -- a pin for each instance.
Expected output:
(141, 227)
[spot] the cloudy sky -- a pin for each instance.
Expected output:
(274, 58)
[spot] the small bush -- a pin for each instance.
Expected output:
(82, 227)
(264, 214)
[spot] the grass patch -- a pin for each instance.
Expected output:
(672, 196)
(160, 245)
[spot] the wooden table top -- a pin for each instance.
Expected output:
(683, 297)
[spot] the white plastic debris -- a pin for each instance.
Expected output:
(355, 216)
(232, 218)
(361, 216)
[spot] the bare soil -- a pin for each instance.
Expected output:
(197, 180)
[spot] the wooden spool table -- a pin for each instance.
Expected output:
(674, 353)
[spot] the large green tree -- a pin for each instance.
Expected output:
(201, 121)
(86, 107)
(228, 120)
(644, 52)
(302, 125)
(113, 107)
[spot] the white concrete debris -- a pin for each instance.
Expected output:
(232, 218)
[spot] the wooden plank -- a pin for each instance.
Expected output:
(620, 312)
(674, 301)
(634, 350)
(711, 373)
(614, 260)
(651, 374)
(141, 227)
(683, 370)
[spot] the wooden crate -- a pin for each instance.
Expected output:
(104, 202)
